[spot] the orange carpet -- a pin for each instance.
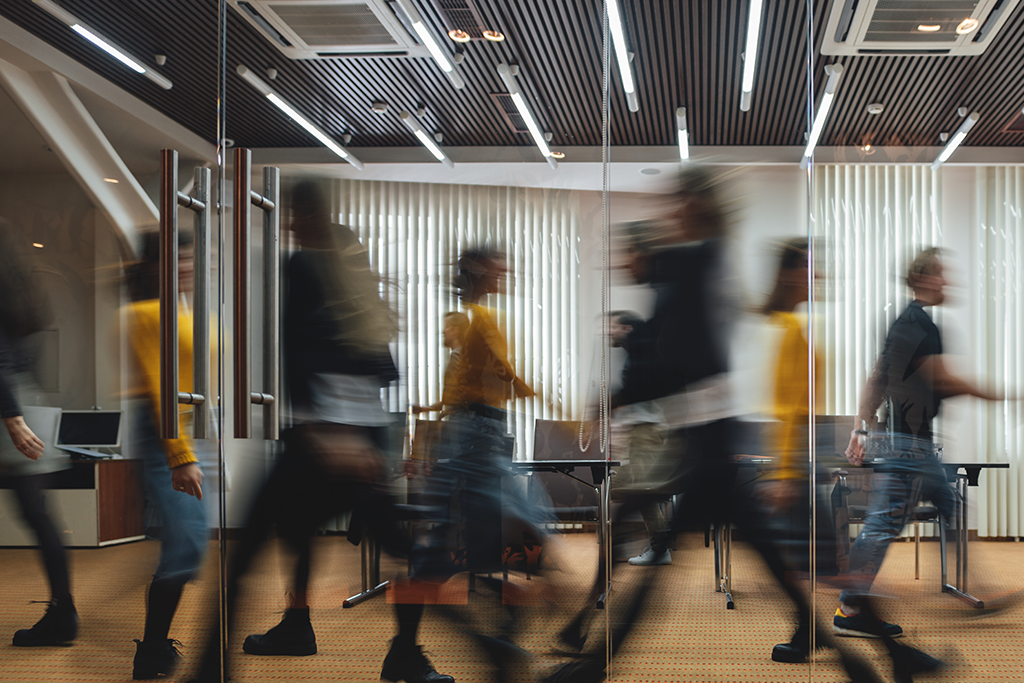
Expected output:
(687, 634)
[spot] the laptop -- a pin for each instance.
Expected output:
(80, 431)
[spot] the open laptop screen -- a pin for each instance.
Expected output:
(90, 428)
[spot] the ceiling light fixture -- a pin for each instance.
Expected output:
(459, 36)
(928, 28)
(558, 155)
(834, 71)
(531, 124)
(750, 53)
(957, 138)
(102, 42)
(494, 36)
(684, 134)
(307, 125)
(967, 25)
(424, 139)
(113, 181)
(427, 38)
(622, 53)
(37, 245)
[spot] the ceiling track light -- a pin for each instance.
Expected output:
(446, 63)
(307, 125)
(684, 134)
(835, 72)
(957, 138)
(100, 41)
(618, 30)
(750, 53)
(425, 140)
(531, 124)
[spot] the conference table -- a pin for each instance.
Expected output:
(600, 471)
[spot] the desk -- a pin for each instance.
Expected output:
(600, 469)
(962, 483)
(972, 470)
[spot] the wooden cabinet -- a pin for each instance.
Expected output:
(93, 503)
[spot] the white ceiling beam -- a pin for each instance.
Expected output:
(48, 101)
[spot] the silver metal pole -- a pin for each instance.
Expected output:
(272, 301)
(168, 294)
(201, 307)
(242, 191)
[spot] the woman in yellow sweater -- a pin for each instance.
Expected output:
(171, 469)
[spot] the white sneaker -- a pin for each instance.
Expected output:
(648, 559)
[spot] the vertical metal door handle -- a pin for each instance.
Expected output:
(168, 294)
(242, 192)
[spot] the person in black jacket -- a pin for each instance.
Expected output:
(24, 311)
(337, 360)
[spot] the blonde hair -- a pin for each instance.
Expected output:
(925, 263)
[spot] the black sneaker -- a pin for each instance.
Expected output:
(293, 636)
(155, 659)
(798, 647)
(409, 664)
(58, 626)
(859, 626)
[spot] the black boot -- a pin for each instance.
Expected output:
(799, 646)
(408, 663)
(155, 659)
(58, 626)
(293, 636)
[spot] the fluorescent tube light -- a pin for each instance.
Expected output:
(425, 139)
(102, 42)
(428, 40)
(622, 53)
(684, 135)
(531, 124)
(750, 53)
(957, 138)
(834, 71)
(307, 125)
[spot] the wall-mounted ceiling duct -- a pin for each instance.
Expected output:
(942, 28)
(328, 29)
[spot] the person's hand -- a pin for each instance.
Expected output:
(188, 479)
(416, 410)
(855, 451)
(25, 440)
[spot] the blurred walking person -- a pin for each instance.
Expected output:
(24, 467)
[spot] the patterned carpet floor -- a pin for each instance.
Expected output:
(684, 635)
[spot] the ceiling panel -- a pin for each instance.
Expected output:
(687, 53)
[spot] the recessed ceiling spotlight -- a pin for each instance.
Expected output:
(558, 155)
(494, 36)
(379, 107)
(114, 181)
(459, 36)
(868, 149)
(37, 245)
(650, 171)
(928, 28)
(875, 108)
(967, 25)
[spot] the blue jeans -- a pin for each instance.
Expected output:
(185, 536)
(909, 474)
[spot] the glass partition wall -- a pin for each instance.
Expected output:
(515, 341)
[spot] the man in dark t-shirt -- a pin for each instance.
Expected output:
(911, 374)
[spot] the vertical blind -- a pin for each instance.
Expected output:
(867, 223)
(999, 349)
(414, 233)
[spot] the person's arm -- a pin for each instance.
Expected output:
(23, 438)
(947, 385)
(870, 399)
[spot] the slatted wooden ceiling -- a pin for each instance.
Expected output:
(687, 52)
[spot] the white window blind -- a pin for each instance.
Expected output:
(414, 233)
(999, 331)
(868, 222)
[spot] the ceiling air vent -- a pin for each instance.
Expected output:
(1016, 124)
(950, 28)
(327, 29)
(461, 15)
(508, 109)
